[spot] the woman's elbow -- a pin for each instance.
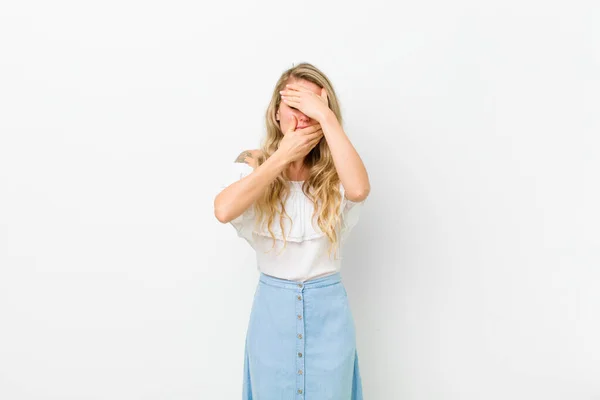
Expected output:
(220, 214)
(359, 195)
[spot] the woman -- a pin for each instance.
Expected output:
(294, 201)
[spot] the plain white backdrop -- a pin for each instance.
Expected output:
(473, 274)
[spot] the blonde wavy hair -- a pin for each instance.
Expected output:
(322, 186)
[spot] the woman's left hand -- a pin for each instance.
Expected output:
(311, 104)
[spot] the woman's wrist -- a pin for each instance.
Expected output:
(279, 160)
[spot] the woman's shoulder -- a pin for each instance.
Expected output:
(250, 157)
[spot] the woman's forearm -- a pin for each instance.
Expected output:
(232, 201)
(349, 166)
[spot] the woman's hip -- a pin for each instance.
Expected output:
(288, 312)
(301, 341)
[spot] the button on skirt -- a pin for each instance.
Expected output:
(301, 342)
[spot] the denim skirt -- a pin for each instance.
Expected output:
(301, 342)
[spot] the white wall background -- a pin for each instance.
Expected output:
(473, 274)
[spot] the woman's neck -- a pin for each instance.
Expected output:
(296, 171)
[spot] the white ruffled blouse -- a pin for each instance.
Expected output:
(305, 255)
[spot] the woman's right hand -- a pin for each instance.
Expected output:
(296, 144)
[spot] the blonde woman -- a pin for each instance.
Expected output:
(295, 201)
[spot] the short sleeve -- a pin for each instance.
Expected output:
(244, 223)
(350, 213)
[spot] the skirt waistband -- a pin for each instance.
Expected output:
(327, 280)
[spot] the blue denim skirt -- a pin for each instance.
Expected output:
(301, 342)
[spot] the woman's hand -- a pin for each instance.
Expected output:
(311, 104)
(296, 144)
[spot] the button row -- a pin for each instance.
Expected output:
(300, 343)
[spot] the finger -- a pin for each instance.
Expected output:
(309, 129)
(290, 93)
(297, 87)
(290, 101)
(315, 135)
(315, 142)
(294, 123)
(292, 97)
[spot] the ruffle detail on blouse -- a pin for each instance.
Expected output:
(300, 209)
(299, 226)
